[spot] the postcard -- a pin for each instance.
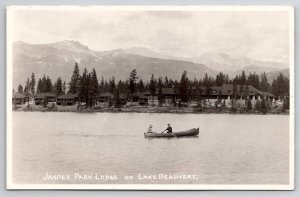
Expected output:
(150, 97)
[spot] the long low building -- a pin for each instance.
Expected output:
(19, 98)
(227, 91)
(67, 99)
(47, 97)
(224, 92)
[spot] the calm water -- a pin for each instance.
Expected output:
(230, 149)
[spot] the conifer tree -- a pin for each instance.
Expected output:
(49, 85)
(58, 87)
(64, 87)
(27, 87)
(20, 89)
(32, 84)
(75, 80)
(94, 90)
(184, 85)
(160, 86)
(141, 86)
(152, 85)
(112, 85)
(132, 81)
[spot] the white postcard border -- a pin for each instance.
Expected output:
(9, 143)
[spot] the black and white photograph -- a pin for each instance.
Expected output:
(150, 97)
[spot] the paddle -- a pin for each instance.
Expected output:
(170, 133)
(173, 135)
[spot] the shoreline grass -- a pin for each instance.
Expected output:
(147, 109)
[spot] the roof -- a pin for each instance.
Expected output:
(43, 95)
(68, 96)
(165, 91)
(227, 90)
(19, 95)
(140, 94)
(266, 94)
(107, 94)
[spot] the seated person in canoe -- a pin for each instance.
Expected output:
(150, 129)
(169, 129)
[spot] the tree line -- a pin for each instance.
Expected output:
(87, 86)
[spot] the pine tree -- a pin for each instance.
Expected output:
(243, 78)
(121, 86)
(64, 87)
(160, 86)
(27, 87)
(39, 88)
(20, 89)
(94, 86)
(91, 91)
(84, 87)
(234, 96)
(264, 85)
(44, 84)
(32, 84)
(141, 86)
(58, 87)
(184, 85)
(117, 103)
(112, 85)
(132, 81)
(199, 96)
(220, 79)
(280, 86)
(101, 86)
(49, 85)
(166, 84)
(226, 79)
(152, 85)
(253, 80)
(75, 80)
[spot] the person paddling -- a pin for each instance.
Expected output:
(169, 129)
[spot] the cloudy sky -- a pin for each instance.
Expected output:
(261, 35)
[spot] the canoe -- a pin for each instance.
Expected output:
(190, 132)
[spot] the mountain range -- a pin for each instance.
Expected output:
(58, 60)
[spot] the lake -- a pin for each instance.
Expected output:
(106, 147)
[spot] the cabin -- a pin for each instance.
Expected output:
(139, 98)
(169, 95)
(67, 99)
(226, 93)
(105, 97)
(19, 98)
(47, 97)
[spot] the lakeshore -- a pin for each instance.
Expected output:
(147, 109)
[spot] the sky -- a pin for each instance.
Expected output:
(260, 35)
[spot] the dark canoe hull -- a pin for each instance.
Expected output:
(191, 132)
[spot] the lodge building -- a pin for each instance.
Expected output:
(169, 96)
(19, 98)
(67, 99)
(46, 97)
